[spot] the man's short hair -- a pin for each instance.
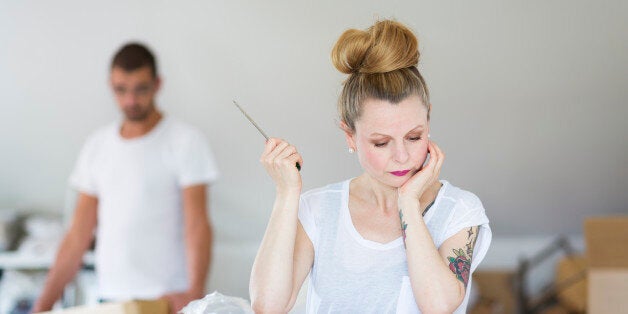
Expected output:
(133, 56)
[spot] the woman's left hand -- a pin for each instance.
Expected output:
(424, 178)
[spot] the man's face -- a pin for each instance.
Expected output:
(135, 91)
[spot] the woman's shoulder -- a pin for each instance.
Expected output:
(460, 197)
(462, 209)
(322, 205)
(332, 189)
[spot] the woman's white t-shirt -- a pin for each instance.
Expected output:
(351, 274)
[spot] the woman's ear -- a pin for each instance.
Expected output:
(349, 135)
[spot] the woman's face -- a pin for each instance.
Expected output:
(391, 139)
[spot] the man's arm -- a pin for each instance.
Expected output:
(198, 236)
(198, 245)
(70, 255)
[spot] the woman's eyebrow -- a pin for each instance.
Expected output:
(419, 127)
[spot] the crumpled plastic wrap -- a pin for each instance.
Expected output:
(217, 303)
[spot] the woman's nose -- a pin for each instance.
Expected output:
(401, 153)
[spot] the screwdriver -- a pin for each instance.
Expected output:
(257, 126)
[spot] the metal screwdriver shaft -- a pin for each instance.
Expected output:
(257, 126)
(251, 120)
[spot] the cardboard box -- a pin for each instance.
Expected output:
(607, 256)
(130, 307)
(608, 290)
(607, 241)
(572, 281)
(496, 291)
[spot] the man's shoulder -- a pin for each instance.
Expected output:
(102, 133)
(180, 128)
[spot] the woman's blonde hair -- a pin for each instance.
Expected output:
(381, 62)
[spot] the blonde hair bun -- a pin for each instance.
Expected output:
(384, 47)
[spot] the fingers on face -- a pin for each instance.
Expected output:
(438, 156)
(431, 162)
(433, 157)
(441, 159)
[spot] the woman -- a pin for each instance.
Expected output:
(392, 240)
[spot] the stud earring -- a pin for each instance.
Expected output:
(351, 150)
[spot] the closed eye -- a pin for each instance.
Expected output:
(412, 139)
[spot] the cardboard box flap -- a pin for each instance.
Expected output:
(129, 307)
(607, 241)
(146, 307)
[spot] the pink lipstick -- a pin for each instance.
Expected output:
(400, 173)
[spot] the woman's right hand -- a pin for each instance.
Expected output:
(280, 159)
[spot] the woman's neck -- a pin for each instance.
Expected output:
(384, 197)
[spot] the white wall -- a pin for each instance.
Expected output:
(529, 98)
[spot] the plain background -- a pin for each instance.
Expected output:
(529, 98)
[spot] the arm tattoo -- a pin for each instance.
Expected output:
(404, 226)
(460, 263)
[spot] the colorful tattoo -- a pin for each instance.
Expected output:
(404, 226)
(460, 263)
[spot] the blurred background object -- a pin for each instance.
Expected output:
(607, 257)
(23, 266)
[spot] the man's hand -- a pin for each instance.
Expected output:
(70, 255)
(178, 300)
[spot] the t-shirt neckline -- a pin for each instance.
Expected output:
(348, 222)
(152, 133)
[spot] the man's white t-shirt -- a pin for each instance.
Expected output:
(351, 274)
(140, 248)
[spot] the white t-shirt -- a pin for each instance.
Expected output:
(354, 275)
(140, 250)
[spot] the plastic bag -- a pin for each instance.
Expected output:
(216, 303)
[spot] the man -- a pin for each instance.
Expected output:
(143, 184)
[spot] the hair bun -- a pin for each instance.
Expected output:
(384, 47)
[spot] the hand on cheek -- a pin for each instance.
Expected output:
(425, 177)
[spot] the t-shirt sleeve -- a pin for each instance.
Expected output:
(470, 212)
(82, 176)
(308, 221)
(195, 162)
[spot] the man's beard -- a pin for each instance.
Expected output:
(137, 113)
